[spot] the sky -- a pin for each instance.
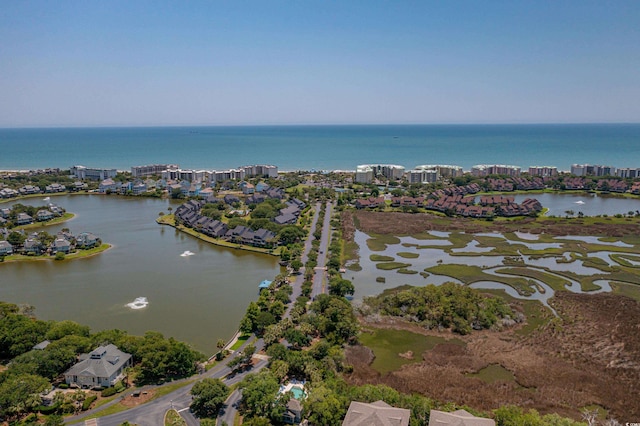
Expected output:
(156, 63)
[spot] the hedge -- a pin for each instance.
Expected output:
(87, 402)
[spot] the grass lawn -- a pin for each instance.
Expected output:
(172, 418)
(56, 220)
(240, 342)
(79, 254)
(388, 344)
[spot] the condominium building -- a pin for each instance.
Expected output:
(495, 169)
(445, 171)
(151, 169)
(82, 172)
(266, 170)
(592, 170)
(365, 173)
(628, 172)
(543, 171)
(422, 176)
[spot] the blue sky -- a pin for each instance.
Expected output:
(112, 63)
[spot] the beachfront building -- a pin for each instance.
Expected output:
(151, 169)
(422, 176)
(592, 170)
(366, 173)
(445, 171)
(543, 171)
(184, 175)
(482, 170)
(264, 170)
(82, 172)
(628, 173)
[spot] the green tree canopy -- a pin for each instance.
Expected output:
(208, 397)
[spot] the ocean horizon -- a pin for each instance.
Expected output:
(322, 147)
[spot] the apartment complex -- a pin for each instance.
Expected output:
(82, 172)
(366, 173)
(482, 170)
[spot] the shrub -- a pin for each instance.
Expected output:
(119, 387)
(108, 392)
(50, 409)
(63, 386)
(87, 402)
(59, 256)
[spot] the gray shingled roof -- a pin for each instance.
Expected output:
(101, 362)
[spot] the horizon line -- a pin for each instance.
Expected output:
(142, 126)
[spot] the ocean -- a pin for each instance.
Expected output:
(322, 147)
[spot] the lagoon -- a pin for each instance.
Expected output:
(197, 299)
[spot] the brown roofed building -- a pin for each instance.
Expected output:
(457, 418)
(378, 413)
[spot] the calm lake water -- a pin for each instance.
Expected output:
(197, 299)
(588, 204)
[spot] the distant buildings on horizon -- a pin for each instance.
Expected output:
(364, 173)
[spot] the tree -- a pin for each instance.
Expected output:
(258, 393)
(296, 264)
(20, 394)
(290, 234)
(208, 397)
(16, 238)
(324, 407)
(341, 287)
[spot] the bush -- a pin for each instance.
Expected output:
(108, 392)
(119, 387)
(59, 256)
(63, 386)
(44, 409)
(87, 402)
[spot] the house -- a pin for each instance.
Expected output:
(230, 199)
(60, 245)
(293, 412)
(79, 186)
(247, 188)
(5, 248)
(55, 187)
(87, 240)
(264, 285)
(4, 213)
(29, 189)
(457, 418)
(261, 187)
(102, 367)
(107, 185)
(23, 219)
(44, 215)
(32, 245)
(139, 188)
(376, 413)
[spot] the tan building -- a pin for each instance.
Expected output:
(378, 413)
(457, 418)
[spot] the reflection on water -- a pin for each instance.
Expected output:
(199, 299)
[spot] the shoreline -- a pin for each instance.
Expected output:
(84, 254)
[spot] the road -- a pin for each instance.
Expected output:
(152, 413)
(297, 283)
(319, 279)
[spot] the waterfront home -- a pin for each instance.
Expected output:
(33, 246)
(8, 193)
(376, 413)
(3, 221)
(29, 189)
(44, 215)
(55, 187)
(5, 248)
(139, 188)
(102, 367)
(60, 245)
(23, 219)
(107, 185)
(79, 186)
(87, 240)
(4, 213)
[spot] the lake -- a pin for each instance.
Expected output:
(587, 203)
(197, 299)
